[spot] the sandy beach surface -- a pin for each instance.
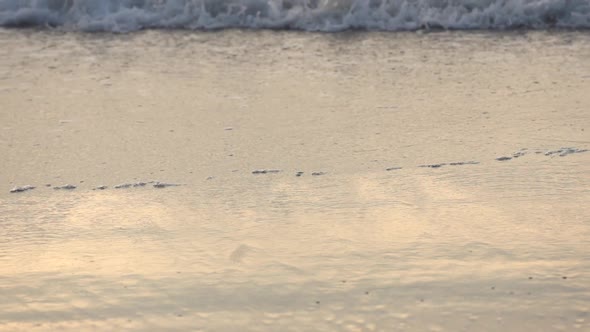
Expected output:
(371, 242)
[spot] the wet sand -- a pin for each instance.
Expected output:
(372, 242)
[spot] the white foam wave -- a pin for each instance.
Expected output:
(310, 15)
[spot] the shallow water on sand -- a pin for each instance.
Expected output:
(493, 246)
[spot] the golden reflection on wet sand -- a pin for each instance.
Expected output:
(398, 249)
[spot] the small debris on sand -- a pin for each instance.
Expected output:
(503, 158)
(518, 154)
(165, 185)
(265, 171)
(100, 188)
(461, 163)
(299, 174)
(65, 187)
(433, 165)
(129, 185)
(392, 168)
(565, 151)
(318, 173)
(22, 189)
(228, 128)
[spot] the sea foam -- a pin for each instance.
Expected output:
(308, 15)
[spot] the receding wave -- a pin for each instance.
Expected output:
(308, 15)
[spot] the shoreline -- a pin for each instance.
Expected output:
(561, 152)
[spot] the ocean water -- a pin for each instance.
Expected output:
(309, 15)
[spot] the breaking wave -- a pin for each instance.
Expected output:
(307, 15)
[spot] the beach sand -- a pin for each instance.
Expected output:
(483, 246)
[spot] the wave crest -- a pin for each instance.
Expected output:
(309, 15)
